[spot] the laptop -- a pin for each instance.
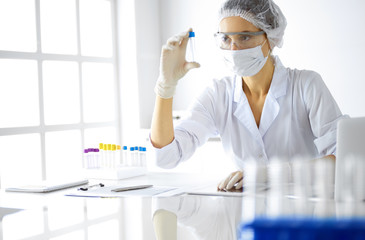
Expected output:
(350, 159)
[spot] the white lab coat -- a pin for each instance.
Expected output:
(299, 118)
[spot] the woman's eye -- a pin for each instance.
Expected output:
(225, 39)
(244, 37)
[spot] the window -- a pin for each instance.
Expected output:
(58, 85)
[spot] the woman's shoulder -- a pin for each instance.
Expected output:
(298, 76)
(222, 85)
(224, 82)
(219, 90)
(304, 79)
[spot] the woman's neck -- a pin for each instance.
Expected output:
(259, 84)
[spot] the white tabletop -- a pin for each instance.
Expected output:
(55, 216)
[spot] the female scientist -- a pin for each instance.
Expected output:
(263, 111)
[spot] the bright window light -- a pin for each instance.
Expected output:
(58, 26)
(61, 92)
(94, 136)
(19, 99)
(20, 159)
(96, 28)
(63, 154)
(17, 23)
(98, 92)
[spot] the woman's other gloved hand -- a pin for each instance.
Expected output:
(173, 65)
(233, 181)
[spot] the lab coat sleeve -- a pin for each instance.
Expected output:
(192, 132)
(323, 113)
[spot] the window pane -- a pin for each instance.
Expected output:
(17, 25)
(95, 28)
(19, 101)
(98, 92)
(20, 159)
(61, 92)
(63, 154)
(58, 25)
(95, 136)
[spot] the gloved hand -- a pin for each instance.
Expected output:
(173, 65)
(234, 179)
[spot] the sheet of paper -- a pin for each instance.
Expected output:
(107, 192)
(211, 190)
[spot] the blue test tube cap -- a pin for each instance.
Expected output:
(125, 148)
(131, 148)
(136, 148)
(144, 149)
(140, 149)
(191, 34)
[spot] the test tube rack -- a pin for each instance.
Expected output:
(111, 161)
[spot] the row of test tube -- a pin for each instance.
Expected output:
(113, 156)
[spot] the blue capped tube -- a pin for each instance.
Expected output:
(191, 48)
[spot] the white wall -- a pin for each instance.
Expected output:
(327, 36)
(156, 21)
(148, 32)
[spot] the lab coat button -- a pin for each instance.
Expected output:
(261, 155)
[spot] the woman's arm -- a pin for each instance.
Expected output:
(162, 130)
(173, 67)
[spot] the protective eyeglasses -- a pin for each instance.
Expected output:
(242, 40)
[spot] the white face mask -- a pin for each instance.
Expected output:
(246, 62)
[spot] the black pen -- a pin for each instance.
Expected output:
(88, 187)
(128, 188)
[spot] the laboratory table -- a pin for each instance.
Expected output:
(57, 217)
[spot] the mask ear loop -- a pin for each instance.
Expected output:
(269, 53)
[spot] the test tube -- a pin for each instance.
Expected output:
(90, 157)
(86, 158)
(113, 154)
(125, 156)
(191, 47)
(105, 157)
(143, 161)
(118, 156)
(140, 153)
(97, 158)
(136, 156)
(131, 156)
(101, 154)
(109, 160)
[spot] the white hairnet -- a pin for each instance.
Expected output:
(264, 14)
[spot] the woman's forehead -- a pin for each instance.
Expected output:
(236, 24)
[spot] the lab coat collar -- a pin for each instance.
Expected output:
(271, 107)
(244, 114)
(279, 81)
(277, 89)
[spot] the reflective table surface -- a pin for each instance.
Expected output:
(55, 216)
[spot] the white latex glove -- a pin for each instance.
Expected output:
(234, 179)
(173, 65)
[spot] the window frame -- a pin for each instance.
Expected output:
(39, 57)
